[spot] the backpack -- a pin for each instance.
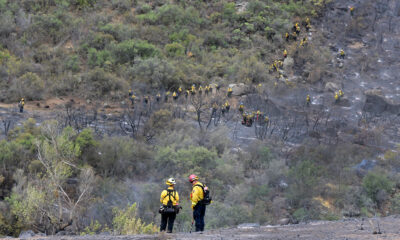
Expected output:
(170, 208)
(206, 193)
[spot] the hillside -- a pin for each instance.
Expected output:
(317, 138)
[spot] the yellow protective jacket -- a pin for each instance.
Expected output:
(164, 198)
(197, 194)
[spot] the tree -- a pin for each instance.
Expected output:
(47, 202)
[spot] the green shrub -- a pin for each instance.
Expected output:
(29, 86)
(395, 204)
(98, 83)
(255, 7)
(142, 9)
(73, 63)
(303, 180)
(156, 72)
(99, 58)
(127, 51)
(49, 25)
(126, 222)
(174, 49)
(373, 183)
(170, 14)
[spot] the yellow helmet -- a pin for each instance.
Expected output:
(170, 182)
(22, 99)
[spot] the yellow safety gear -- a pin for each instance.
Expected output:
(174, 94)
(351, 9)
(174, 197)
(193, 88)
(200, 88)
(197, 194)
(296, 25)
(133, 96)
(266, 119)
(285, 53)
(287, 35)
(308, 20)
(168, 93)
(158, 95)
(308, 98)
(342, 52)
(258, 112)
(341, 93)
(229, 89)
(336, 96)
(179, 89)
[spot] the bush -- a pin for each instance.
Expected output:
(156, 72)
(126, 222)
(376, 185)
(99, 83)
(303, 180)
(127, 51)
(73, 63)
(174, 49)
(29, 86)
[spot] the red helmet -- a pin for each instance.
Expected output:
(193, 178)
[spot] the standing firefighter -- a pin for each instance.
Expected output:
(170, 206)
(200, 197)
(21, 105)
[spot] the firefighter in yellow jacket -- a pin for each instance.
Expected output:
(196, 197)
(170, 206)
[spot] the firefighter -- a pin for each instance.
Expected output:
(308, 100)
(352, 11)
(337, 97)
(174, 95)
(146, 99)
(200, 90)
(133, 97)
(341, 93)
(193, 90)
(241, 108)
(285, 53)
(342, 54)
(266, 120)
(170, 201)
(230, 92)
(227, 106)
(158, 97)
(21, 105)
(244, 120)
(287, 36)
